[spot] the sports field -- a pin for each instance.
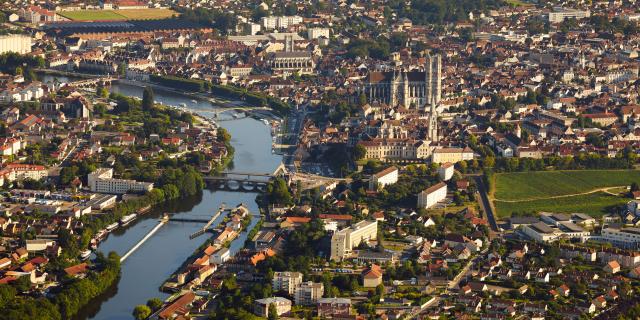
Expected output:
(587, 191)
(118, 15)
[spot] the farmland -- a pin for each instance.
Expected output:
(587, 191)
(544, 184)
(594, 204)
(117, 15)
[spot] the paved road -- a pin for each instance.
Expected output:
(485, 203)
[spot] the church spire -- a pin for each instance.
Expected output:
(433, 124)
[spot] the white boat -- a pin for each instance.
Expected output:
(128, 218)
(101, 234)
(112, 226)
(183, 105)
(85, 254)
(265, 121)
(194, 101)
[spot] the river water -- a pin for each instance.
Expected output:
(148, 267)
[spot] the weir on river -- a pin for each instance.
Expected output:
(134, 248)
(165, 251)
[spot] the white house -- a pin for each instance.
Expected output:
(432, 195)
(220, 256)
(383, 178)
(446, 171)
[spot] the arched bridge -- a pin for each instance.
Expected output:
(87, 83)
(244, 181)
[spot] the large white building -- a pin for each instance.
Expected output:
(452, 155)
(560, 14)
(308, 293)
(432, 195)
(20, 171)
(279, 22)
(102, 181)
(261, 306)
(286, 281)
(315, 33)
(343, 241)
(408, 149)
(383, 178)
(625, 237)
(18, 43)
(446, 171)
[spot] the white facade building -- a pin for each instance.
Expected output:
(18, 43)
(383, 178)
(625, 237)
(560, 14)
(315, 33)
(308, 293)
(432, 195)
(343, 241)
(446, 171)
(279, 22)
(102, 181)
(221, 256)
(286, 281)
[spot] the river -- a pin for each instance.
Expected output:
(149, 266)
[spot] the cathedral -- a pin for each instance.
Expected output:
(412, 89)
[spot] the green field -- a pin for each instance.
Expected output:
(117, 15)
(561, 191)
(595, 205)
(544, 184)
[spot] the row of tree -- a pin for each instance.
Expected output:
(69, 298)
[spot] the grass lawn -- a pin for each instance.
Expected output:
(594, 204)
(146, 14)
(517, 3)
(92, 15)
(541, 184)
(118, 15)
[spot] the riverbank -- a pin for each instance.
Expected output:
(212, 254)
(161, 255)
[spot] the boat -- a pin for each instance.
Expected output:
(236, 116)
(143, 210)
(265, 121)
(94, 244)
(85, 254)
(112, 226)
(101, 235)
(194, 101)
(128, 218)
(183, 105)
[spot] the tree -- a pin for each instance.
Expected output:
(141, 312)
(359, 152)
(154, 304)
(23, 284)
(102, 91)
(635, 187)
(147, 99)
(273, 312)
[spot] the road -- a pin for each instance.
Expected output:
(453, 284)
(485, 203)
(294, 124)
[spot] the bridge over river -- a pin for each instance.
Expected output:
(244, 181)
